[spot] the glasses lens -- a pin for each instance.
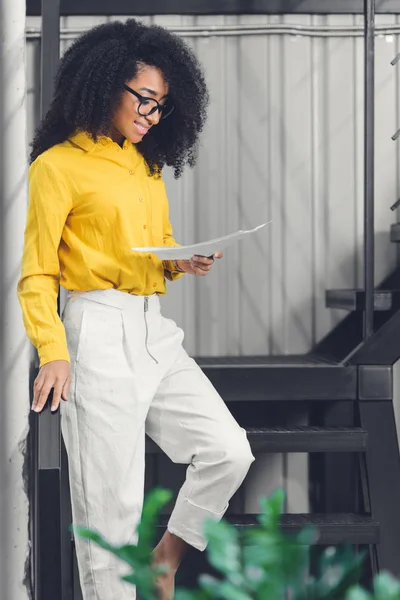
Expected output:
(147, 107)
(167, 110)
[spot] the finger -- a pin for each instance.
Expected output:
(203, 260)
(55, 403)
(37, 388)
(42, 399)
(201, 267)
(199, 271)
(65, 391)
(218, 255)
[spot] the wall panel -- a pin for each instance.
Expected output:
(284, 141)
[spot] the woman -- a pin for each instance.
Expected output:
(128, 100)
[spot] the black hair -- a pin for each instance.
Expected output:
(89, 87)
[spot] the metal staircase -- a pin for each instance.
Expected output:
(345, 385)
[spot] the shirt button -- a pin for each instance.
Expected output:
(141, 199)
(150, 256)
(131, 172)
(154, 285)
(144, 226)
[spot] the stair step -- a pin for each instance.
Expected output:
(354, 299)
(299, 439)
(335, 529)
(395, 232)
(308, 439)
(274, 378)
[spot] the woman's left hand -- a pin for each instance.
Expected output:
(198, 265)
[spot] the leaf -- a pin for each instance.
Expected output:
(308, 535)
(272, 509)
(225, 590)
(339, 570)
(155, 501)
(342, 573)
(272, 587)
(357, 593)
(183, 594)
(275, 555)
(223, 548)
(94, 536)
(386, 587)
(128, 553)
(139, 556)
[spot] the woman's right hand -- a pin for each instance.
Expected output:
(55, 374)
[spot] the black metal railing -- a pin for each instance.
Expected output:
(47, 530)
(369, 160)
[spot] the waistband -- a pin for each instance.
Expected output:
(117, 299)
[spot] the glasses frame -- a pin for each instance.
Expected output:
(159, 107)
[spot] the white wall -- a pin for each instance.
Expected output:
(15, 349)
(284, 141)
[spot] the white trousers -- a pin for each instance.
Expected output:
(131, 375)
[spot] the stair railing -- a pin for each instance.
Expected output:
(369, 160)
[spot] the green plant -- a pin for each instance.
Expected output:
(261, 563)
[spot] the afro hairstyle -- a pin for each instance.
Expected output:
(89, 86)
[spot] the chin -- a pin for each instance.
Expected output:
(134, 139)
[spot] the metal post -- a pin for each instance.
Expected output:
(53, 554)
(15, 350)
(369, 118)
(4, 500)
(50, 54)
(48, 425)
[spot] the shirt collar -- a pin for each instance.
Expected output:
(86, 142)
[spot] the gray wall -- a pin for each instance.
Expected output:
(284, 141)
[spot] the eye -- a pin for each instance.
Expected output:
(147, 102)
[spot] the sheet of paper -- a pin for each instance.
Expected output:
(202, 249)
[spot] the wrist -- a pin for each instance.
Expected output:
(177, 266)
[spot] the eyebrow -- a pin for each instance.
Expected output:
(152, 92)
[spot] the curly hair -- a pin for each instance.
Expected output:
(89, 87)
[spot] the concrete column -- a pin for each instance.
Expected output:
(16, 354)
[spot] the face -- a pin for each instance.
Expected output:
(127, 122)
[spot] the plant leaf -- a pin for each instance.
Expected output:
(272, 509)
(155, 501)
(223, 548)
(357, 593)
(225, 590)
(386, 587)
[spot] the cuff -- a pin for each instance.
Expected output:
(170, 271)
(54, 351)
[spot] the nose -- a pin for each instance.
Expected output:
(154, 118)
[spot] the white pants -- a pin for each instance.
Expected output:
(130, 375)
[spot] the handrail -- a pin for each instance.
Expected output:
(207, 31)
(369, 160)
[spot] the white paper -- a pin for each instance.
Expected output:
(202, 249)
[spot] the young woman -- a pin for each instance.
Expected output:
(128, 100)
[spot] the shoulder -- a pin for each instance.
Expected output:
(52, 170)
(59, 159)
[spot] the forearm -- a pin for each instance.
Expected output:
(38, 299)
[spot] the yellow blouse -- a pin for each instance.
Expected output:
(89, 204)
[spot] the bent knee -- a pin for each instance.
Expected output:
(238, 455)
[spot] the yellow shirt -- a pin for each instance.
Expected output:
(89, 204)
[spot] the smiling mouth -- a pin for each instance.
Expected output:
(141, 128)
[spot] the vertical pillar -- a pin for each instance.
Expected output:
(369, 162)
(16, 354)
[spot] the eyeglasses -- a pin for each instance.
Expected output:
(148, 106)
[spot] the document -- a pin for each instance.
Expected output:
(208, 248)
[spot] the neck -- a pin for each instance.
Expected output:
(116, 136)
